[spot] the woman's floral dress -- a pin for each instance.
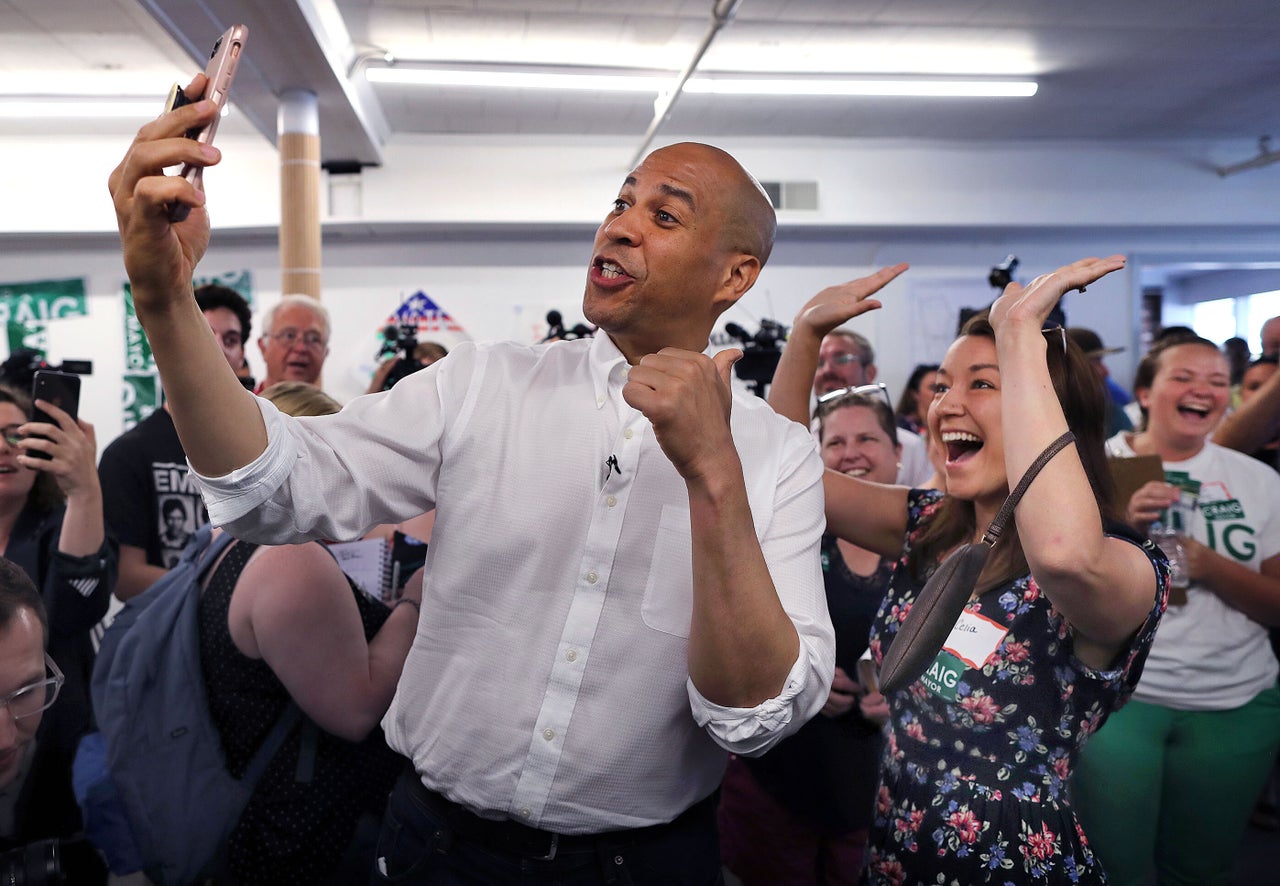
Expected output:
(973, 784)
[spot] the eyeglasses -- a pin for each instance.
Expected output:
(841, 360)
(10, 435)
(289, 338)
(873, 390)
(35, 697)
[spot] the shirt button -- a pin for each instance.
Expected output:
(592, 578)
(612, 501)
(599, 401)
(571, 655)
(548, 734)
(525, 812)
(628, 433)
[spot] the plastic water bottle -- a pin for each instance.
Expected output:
(1170, 541)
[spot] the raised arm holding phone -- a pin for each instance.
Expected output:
(217, 419)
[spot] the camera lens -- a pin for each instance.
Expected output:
(36, 864)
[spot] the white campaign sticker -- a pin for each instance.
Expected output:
(974, 638)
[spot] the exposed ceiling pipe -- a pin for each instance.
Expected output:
(1265, 157)
(721, 12)
(364, 53)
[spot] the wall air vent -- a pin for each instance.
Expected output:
(792, 195)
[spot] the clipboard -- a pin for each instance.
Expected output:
(1131, 473)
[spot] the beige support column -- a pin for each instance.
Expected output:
(298, 127)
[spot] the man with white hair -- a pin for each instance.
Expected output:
(295, 340)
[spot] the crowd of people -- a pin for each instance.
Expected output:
(646, 645)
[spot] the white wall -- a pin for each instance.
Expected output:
(498, 232)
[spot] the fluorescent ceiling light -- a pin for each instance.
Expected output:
(518, 80)
(866, 86)
(653, 84)
(46, 108)
(51, 107)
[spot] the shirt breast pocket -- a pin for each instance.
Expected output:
(668, 594)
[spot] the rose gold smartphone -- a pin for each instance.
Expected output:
(220, 71)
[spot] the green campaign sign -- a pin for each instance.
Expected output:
(22, 335)
(943, 676)
(141, 397)
(137, 350)
(240, 281)
(25, 308)
(42, 301)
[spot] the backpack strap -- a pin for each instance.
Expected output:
(308, 748)
(262, 757)
(205, 548)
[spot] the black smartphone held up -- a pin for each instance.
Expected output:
(62, 389)
(221, 70)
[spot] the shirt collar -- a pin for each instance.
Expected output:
(605, 360)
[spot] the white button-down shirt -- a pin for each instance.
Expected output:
(548, 681)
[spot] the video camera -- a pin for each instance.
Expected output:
(1002, 274)
(557, 332)
(760, 352)
(399, 340)
(21, 366)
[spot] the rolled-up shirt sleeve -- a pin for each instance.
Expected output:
(233, 496)
(791, 545)
(752, 731)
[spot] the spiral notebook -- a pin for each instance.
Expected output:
(380, 566)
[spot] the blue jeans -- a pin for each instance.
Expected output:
(419, 846)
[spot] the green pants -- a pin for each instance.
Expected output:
(1172, 790)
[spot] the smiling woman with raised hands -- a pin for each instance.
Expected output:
(1055, 633)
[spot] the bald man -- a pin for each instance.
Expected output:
(624, 580)
(1256, 423)
(1270, 336)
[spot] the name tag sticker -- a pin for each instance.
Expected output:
(974, 638)
(970, 644)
